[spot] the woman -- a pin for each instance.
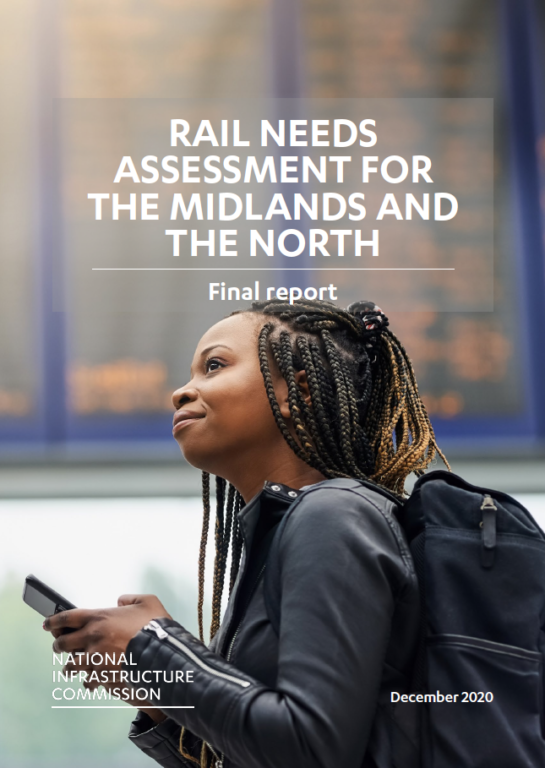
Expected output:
(311, 413)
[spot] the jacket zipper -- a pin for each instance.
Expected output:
(162, 634)
(219, 761)
(232, 643)
(219, 758)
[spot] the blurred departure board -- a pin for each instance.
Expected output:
(165, 49)
(467, 364)
(19, 366)
(127, 363)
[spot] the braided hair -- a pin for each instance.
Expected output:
(366, 419)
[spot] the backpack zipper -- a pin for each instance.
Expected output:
(488, 531)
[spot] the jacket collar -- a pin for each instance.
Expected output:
(279, 495)
(273, 497)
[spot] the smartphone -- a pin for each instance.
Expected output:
(44, 599)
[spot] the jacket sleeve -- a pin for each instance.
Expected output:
(161, 741)
(341, 574)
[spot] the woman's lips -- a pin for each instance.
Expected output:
(182, 419)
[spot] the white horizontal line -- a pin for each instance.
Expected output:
(123, 706)
(273, 269)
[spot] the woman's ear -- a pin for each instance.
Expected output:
(302, 382)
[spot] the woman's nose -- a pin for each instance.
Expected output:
(183, 395)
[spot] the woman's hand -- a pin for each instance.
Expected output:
(103, 631)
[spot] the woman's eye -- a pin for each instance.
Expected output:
(213, 365)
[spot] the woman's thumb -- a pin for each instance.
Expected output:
(128, 600)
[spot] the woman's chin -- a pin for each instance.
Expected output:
(197, 458)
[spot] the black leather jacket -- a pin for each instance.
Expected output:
(318, 694)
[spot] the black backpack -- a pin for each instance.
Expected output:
(478, 677)
(480, 560)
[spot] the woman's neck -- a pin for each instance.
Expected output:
(294, 474)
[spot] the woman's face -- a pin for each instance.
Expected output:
(223, 421)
